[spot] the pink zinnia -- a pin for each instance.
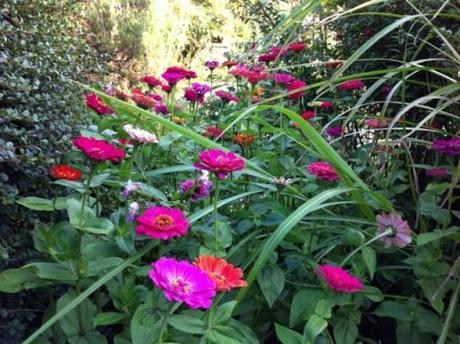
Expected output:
(162, 223)
(99, 150)
(152, 81)
(96, 103)
(325, 105)
(447, 146)
(253, 75)
(334, 131)
(296, 47)
(196, 92)
(339, 279)
(296, 88)
(212, 64)
(161, 108)
(400, 235)
(322, 170)
(183, 282)
(376, 123)
(351, 85)
(175, 74)
(437, 172)
(283, 78)
(227, 96)
(309, 114)
(220, 162)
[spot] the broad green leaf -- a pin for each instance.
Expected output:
(370, 259)
(345, 330)
(15, 280)
(313, 328)
(271, 282)
(223, 312)
(425, 238)
(108, 318)
(98, 179)
(36, 203)
(303, 305)
(287, 336)
(323, 308)
(187, 324)
(145, 325)
(80, 320)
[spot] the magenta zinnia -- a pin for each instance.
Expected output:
(227, 96)
(322, 170)
(162, 223)
(283, 78)
(296, 89)
(219, 162)
(447, 146)
(339, 279)
(183, 282)
(99, 150)
(96, 103)
(351, 85)
(400, 233)
(437, 172)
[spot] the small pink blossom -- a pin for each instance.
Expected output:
(334, 131)
(322, 170)
(96, 103)
(162, 223)
(152, 81)
(447, 146)
(283, 78)
(227, 96)
(339, 279)
(219, 162)
(99, 150)
(437, 172)
(296, 89)
(351, 85)
(212, 64)
(140, 135)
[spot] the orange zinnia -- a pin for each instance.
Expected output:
(66, 172)
(222, 272)
(244, 139)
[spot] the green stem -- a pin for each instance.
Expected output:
(450, 313)
(216, 200)
(377, 237)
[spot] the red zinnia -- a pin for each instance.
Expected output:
(96, 103)
(213, 132)
(309, 114)
(296, 47)
(152, 81)
(225, 275)
(295, 87)
(66, 172)
(325, 105)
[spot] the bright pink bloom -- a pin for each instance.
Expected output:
(339, 279)
(351, 85)
(325, 105)
(161, 108)
(447, 146)
(400, 235)
(296, 47)
(283, 78)
(437, 172)
(309, 114)
(162, 223)
(196, 92)
(213, 132)
(190, 74)
(220, 162)
(166, 88)
(99, 150)
(212, 64)
(96, 103)
(296, 85)
(253, 75)
(175, 74)
(322, 170)
(334, 131)
(227, 96)
(183, 282)
(152, 81)
(272, 55)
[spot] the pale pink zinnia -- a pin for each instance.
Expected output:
(339, 279)
(162, 223)
(400, 232)
(219, 162)
(322, 170)
(140, 135)
(99, 150)
(183, 282)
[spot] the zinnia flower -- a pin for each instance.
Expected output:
(65, 172)
(96, 103)
(283, 78)
(162, 223)
(400, 235)
(376, 123)
(161, 108)
(220, 162)
(333, 64)
(225, 275)
(175, 74)
(140, 135)
(339, 279)
(244, 139)
(447, 146)
(334, 131)
(325, 105)
(99, 150)
(142, 100)
(227, 96)
(196, 92)
(183, 282)
(322, 170)
(308, 114)
(152, 81)
(229, 63)
(213, 132)
(296, 47)
(253, 75)
(351, 85)
(212, 64)
(295, 88)
(437, 172)
(198, 188)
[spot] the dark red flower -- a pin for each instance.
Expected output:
(296, 47)
(296, 88)
(152, 81)
(213, 132)
(227, 96)
(96, 103)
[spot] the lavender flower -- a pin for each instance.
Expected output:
(400, 233)
(199, 188)
(129, 188)
(133, 208)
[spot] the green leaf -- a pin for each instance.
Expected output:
(98, 225)
(395, 310)
(53, 271)
(303, 305)
(288, 336)
(145, 325)
(372, 293)
(80, 320)
(15, 280)
(345, 330)
(108, 318)
(425, 238)
(74, 211)
(370, 259)
(313, 328)
(36, 203)
(223, 312)
(77, 186)
(187, 324)
(323, 308)
(271, 281)
(313, 204)
(99, 179)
